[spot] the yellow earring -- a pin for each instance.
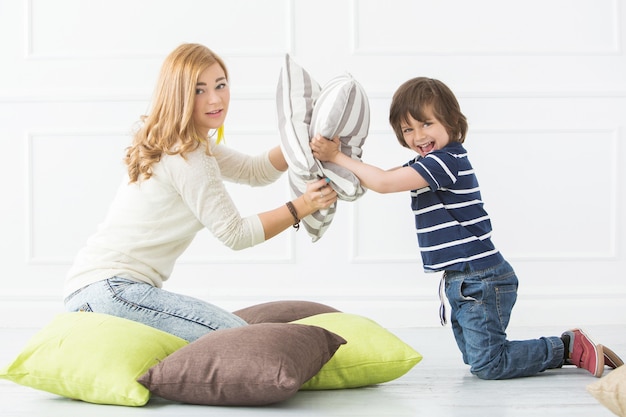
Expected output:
(220, 134)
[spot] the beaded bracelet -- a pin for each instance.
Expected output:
(294, 213)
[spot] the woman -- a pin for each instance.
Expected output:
(173, 190)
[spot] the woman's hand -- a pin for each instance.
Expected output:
(325, 149)
(319, 195)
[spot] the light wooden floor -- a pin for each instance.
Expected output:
(439, 386)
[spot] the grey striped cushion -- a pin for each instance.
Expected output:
(341, 109)
(296, 93)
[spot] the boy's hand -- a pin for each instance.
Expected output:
(325, 149)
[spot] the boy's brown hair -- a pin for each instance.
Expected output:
(419, 93)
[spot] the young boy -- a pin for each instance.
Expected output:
(454, 235)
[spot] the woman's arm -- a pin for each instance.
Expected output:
(278, 159)
(318, 195)
(373, 178)
(257, 170)
(197, 181)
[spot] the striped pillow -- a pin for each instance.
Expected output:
(340, 108)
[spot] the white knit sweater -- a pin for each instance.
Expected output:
(150, 223)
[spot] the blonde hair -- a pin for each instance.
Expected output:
(168, 127)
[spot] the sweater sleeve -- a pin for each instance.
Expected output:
(241, 168)
(198, 180)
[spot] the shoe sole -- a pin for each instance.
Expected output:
(611, 359)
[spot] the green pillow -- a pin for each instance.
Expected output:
(92, 357)
(373, 355)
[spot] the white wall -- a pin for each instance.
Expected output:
(543, 84)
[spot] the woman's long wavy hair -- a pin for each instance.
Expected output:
(168, 127)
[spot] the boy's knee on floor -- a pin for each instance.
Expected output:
(486, 374)
(488, 371)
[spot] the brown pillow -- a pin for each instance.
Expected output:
(256, 364)
(282, 311)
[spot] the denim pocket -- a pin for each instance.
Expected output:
(118, 285)
(506, 296)
(471, 290)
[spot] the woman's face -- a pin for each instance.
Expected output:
(212, 99)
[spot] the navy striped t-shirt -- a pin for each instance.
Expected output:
(453, 229)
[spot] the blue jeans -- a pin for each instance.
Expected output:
(481, 304)
(183, 316)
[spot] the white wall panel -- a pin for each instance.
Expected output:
(148, 28)
(543, 83)
(541, 201)
(486, 27)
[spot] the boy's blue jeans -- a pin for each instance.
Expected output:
(481, 304)
(183, 316)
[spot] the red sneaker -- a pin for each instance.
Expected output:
(584, 353)
(611, 359)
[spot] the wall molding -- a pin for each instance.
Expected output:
(265, 93)
(31, 311)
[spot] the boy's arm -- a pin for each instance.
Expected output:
(371, 177)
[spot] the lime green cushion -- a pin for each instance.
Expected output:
(373, 354)
(92, 357)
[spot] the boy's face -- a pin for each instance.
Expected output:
(424, 136)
